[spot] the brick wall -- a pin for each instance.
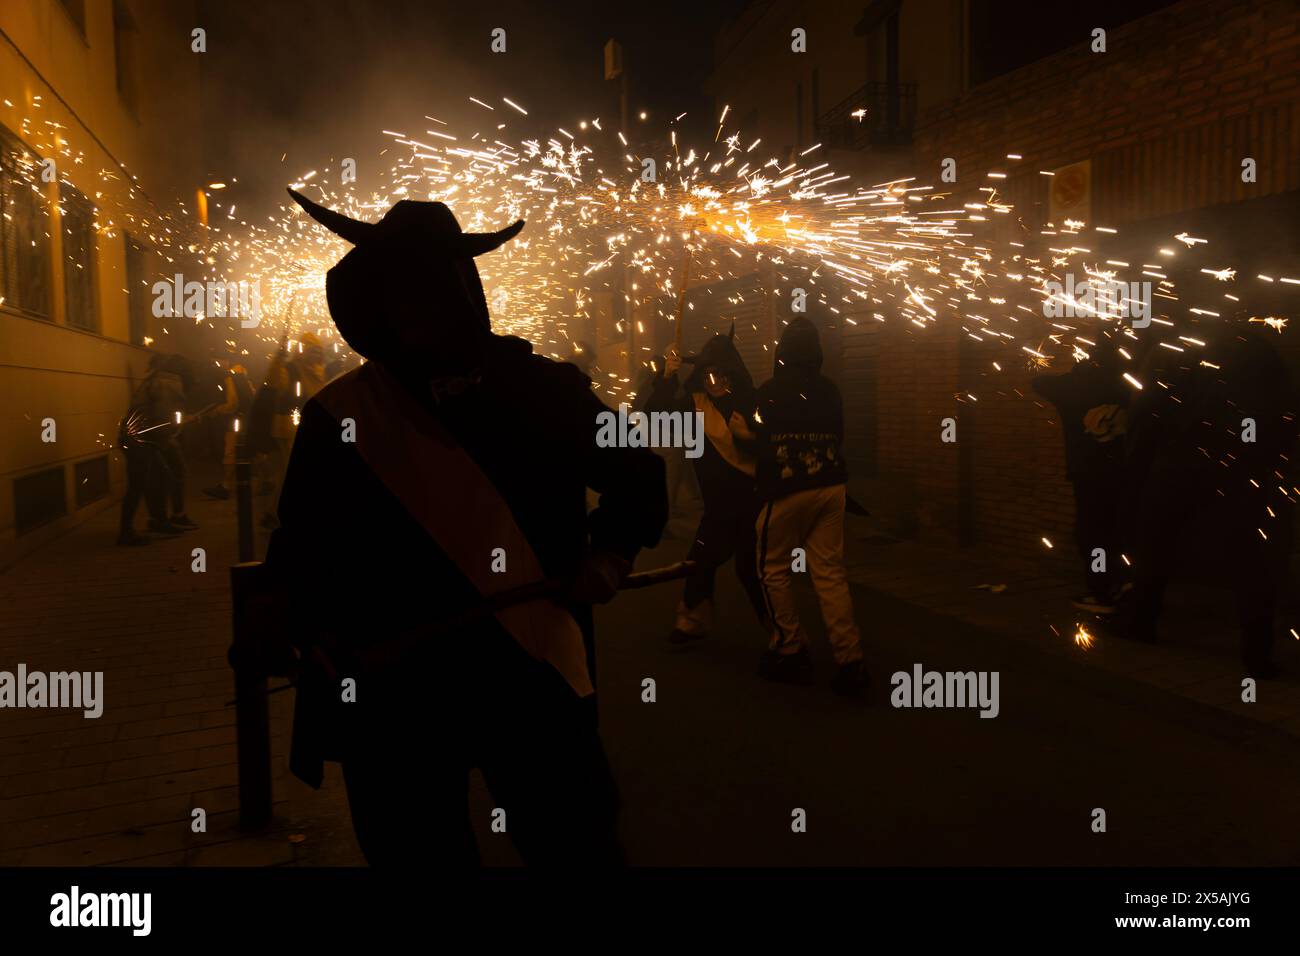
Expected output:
(1166, 113)
(1165, 116)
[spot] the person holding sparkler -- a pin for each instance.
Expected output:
(293, 378)
(144, 466)
(149, 435)
(721, 390)
(238, 394)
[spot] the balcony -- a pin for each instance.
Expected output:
(890, 114)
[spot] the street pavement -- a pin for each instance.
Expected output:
(713, 770)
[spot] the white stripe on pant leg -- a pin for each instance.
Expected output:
(777, 636)
(780, 527)
(830, 577)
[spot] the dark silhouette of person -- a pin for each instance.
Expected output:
(720, 389)
(451, 465)
(144, 467)
(1210, 458)
(149, 436)
(237, 392)
(1090, 400)
(802, 484)
(171, 399)
(682, 494)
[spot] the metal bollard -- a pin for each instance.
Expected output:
(244, 496)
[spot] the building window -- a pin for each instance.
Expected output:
(139, 298)
(123, 56)
(24, 231)
(79, 259)
(77, 11)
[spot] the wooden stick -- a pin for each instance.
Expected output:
(681, 303)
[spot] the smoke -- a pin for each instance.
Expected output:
(290, 85)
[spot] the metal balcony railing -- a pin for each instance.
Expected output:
(877, 115)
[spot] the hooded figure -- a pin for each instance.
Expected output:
(802, 485)
(802, 419)
(720, 392)
(452, 466)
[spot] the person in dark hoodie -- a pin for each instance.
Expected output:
(802, 486)
(720, 390)
(1090, 400)
(453, 465)
(138, 437)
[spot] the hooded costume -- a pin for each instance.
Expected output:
(801, 481)
(801, 419)
(452, 465)
(725, 473)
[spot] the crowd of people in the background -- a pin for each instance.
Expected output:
(1204, 452)
(152, 430)
(1189, 470)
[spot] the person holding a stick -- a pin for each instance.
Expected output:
(720, 390)
(447, 471)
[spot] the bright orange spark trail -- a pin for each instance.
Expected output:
(902, 251)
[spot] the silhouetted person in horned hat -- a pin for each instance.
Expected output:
(720, 389)
(452, 465)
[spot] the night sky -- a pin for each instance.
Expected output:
(311, 81)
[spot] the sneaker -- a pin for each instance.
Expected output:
(678, 636)
(164, 527)
(850, 679)
(131, 539)
(183, 522)
(220, 492)
(1094, 605)
(793, 668)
